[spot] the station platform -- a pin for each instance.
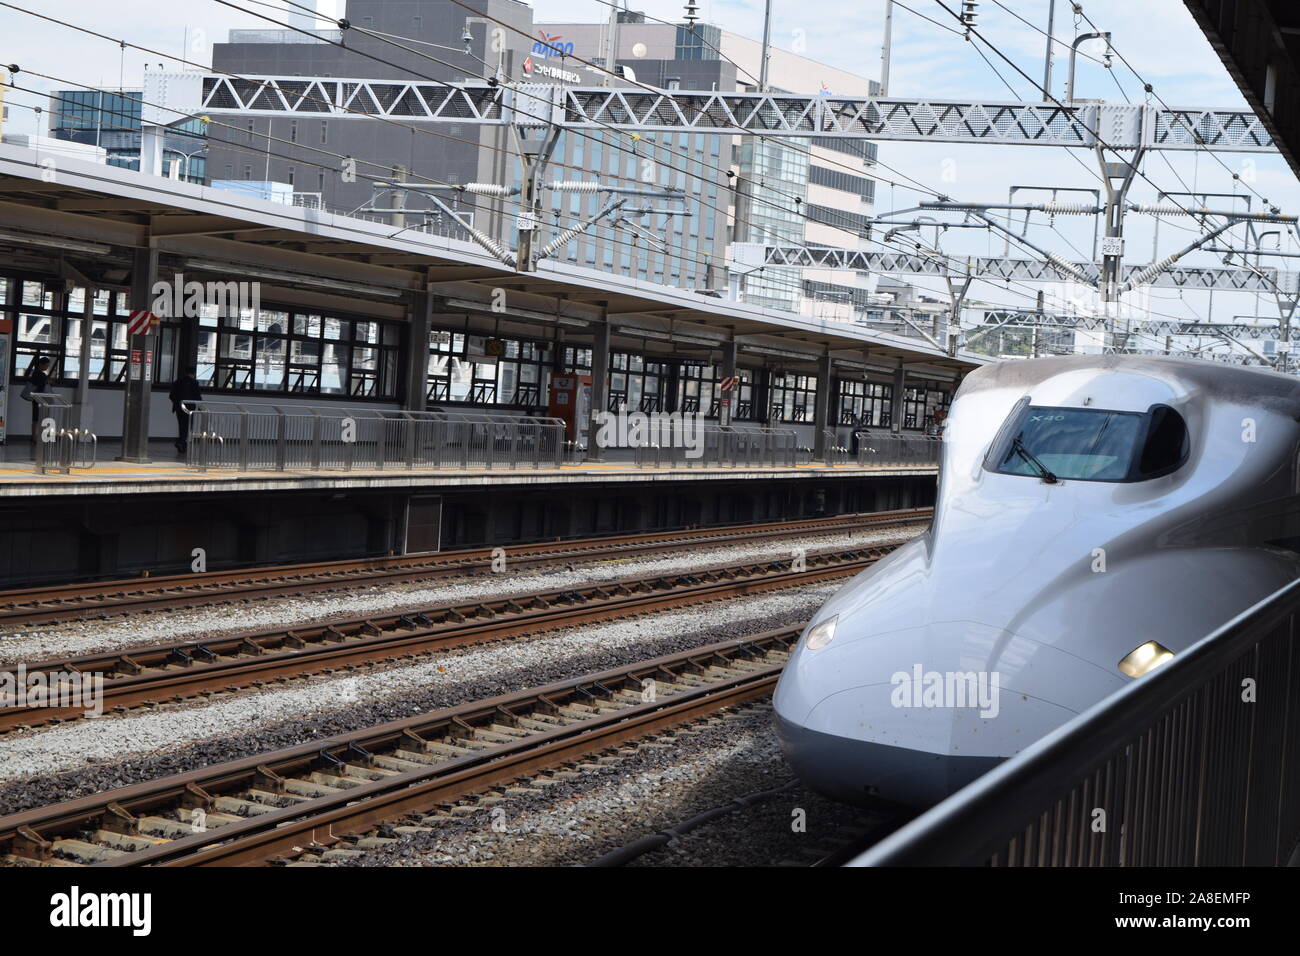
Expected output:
(119, 519)
(17, 479)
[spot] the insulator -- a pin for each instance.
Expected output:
(1069, 209)
(486, 189)
(560, 240)
(500, 251)
(1143, 276)
(575, 186)
(1157, 210)
(1069, 268)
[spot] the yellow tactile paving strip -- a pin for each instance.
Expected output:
(12, 473)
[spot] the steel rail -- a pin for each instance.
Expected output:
(315, 793)
(52, 604)
(174, 671)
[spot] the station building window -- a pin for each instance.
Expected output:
(38, 327)
(460, 370)
(49, 323)
(864, 404)
(698, 391)
(522, 374)
(576, 360)
(637, 382)
(793, 397)
(270, 350)
(697, 384)
(924, 404)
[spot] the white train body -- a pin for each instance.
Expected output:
(1176, 506)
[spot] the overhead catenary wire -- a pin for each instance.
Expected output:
(590, 65)
(1100, 140)
(775, 277)
(579, 59)
(934, 193)
(618, 133)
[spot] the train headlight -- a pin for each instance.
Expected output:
(821, 635)
(1145, 658)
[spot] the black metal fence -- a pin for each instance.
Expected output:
(252, 436)
(895, 450)
(695, 444)
(1195, 764)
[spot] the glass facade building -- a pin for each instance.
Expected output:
(111, 120)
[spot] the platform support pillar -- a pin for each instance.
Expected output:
(762, 398)
(727, 400)
(599, 387)
(140, 361)
(896, 402)
(822, 407)
(419, 321)
(83, 366)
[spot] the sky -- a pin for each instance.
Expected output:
(1157, 37)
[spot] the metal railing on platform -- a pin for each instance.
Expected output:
(834, 452)
(712, 446)
(254, 436)
(61, 444)
(1195, 764)
(891, 448)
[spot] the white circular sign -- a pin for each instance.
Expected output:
(638, 49)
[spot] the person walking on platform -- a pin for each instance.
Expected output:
(184, 389)
(38, 380)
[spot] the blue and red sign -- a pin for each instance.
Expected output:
(550, 45)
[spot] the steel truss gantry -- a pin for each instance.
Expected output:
(999, 268)
(1077, 124)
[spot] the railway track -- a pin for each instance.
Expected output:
(176, 671)
(402, 774)
(104, 599)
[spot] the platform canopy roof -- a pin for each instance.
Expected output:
(81, 220)
(1259, 43)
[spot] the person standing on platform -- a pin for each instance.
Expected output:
(38, 380)
(184, 389)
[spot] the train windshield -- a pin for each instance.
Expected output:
(1092, 444)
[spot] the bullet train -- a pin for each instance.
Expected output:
(1095, 516)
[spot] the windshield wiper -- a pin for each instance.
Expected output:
(1043, 472)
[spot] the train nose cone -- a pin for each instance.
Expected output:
(915, 714)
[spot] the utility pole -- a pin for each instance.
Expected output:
(767, 46)
(1117, 177)
(1047, 63)
(1038, 322)
(534, 155)
(885, 49)
(398, 219)
(611, 46)
(957, 298)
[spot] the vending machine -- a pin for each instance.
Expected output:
(570, 400)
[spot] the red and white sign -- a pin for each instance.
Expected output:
(729, 383)
(141, 365)
(534, 68)
(141, 322)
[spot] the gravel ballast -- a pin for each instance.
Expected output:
(86, 637)
(586, 812)
(83, 757)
